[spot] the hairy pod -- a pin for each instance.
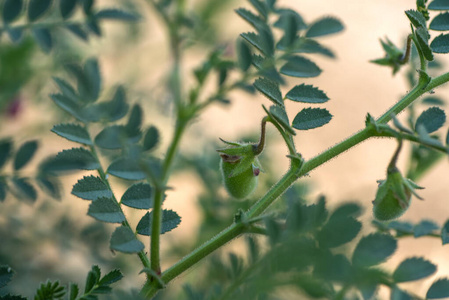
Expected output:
(241, 185)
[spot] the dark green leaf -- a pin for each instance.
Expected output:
(307, 94)
(281, 117)
(260, 7)
(106, 210)
(440, 44)
(438, 5)
(270, 89)
(324, 26)
(304, 45)
(43, 38)
(73, 132)
(445, 233)
(3, 189)
(91, 188)
(68, 104)
(284, 19)
(402, 228)
(25, 154)
(398, 294)
(66, 89)
(116, 14)
(346, 210)
(424, 228)
(116, 108)
(416, 18)
(244, 55)
(339, 231)
(93, 26)
(77, 30)
(5, 151)
(93, 79)
(310, 118)
(72, 159)
(151, 138)
(438, 289)
(134, 122)
(87, 6)
(12, 297)
(6, 274)
(414, 268)
(138, 196)
(170, 220)
(37, 8)
(298, 66)
(440, 22)
(112, 137)
(333, 267)
(126, 168)
(11, 10)
(373, 249)
(423, 41)
(111, 277)
(67, 7)
(432, 119)
(124, 240)
(263, 41)
(74, 290)
(251, 18)
(50, 186)
(92, 278)
(24, 189)
(433, 101)
(15, 34)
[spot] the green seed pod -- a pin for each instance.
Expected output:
(240, 167)
(241, 185)
(393, 194)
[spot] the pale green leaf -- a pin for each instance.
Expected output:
(310, 118)
(138, 196)
(91, 188)
(106, 210)
(324, 26)
(298, 66)
(124, 240)
(73, 132)
(307, 94)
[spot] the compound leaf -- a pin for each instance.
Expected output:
(91, 188)
(37, 8)
(170, 220)
(440, 44)
(124, 240)
(373, 249)
(324, 26)
(310, 118)
(307, 94)
(25, 154)
(270, 89)
(432, 119)
(438, 289)
(73, 132)
(414, 268)
(106, 210)
(11, 10)
(138, 196)
(298, 66)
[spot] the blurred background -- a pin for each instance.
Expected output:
(137, 55)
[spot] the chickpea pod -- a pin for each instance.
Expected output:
(394, 193)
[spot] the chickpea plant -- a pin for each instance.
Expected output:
(300, 234)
